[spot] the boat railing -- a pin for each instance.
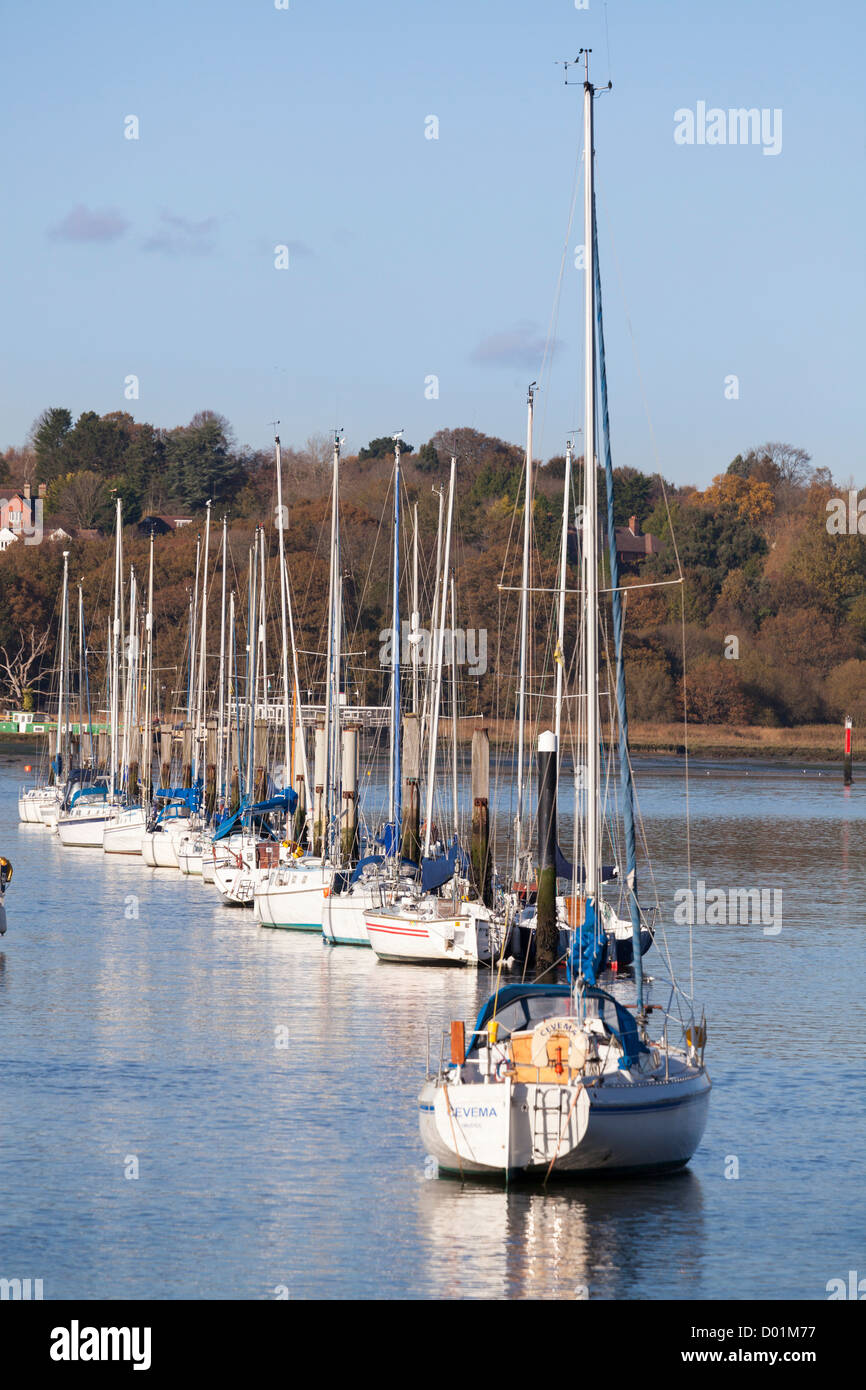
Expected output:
(680, 1034)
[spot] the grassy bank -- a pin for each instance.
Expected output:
(809, 742)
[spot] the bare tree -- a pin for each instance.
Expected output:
(17, 668)
(20, 465)
(83, 498)
(794, 464)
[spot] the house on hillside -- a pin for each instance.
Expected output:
(632, 545)
(162, 525)
(20, 512)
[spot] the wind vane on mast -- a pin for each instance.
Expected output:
(565, 65)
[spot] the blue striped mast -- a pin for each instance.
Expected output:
(622, 707)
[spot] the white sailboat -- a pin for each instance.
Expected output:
(82, 823)
(292, 895)
(125, 833)
(40, 805)
(564, 1078)
(432, 918)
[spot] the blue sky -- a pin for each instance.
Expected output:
(411, 257)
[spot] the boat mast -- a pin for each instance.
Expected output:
(438, 643)
(193, 630)
(440, 492)
(263, 625)
(416, 616)
(147, 750)
(220, 790)
(524, 634)
(81, 696)
(559, 655)
(252, 656)
(231, 683)
(115, 651)
(297, 701)
(198, 773)
(288, 629)
(288, 723)
(129, 684)
(332, 678)
(64, 623)
(454, 714)
(590, 519)
(395, 808)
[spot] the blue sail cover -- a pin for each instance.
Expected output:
(185, 796)
(564, 869)
(96, 789)
(57, 764)
(586, 955)
(436, 872)
(626, 1023)
(227, 826)
(388, 838)
(285, 801)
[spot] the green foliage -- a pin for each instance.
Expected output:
(382, 447)
(428, 459)
(633, 495)
(200, 462)
(710, 545)
(49, 437)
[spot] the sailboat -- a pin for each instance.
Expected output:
(565, 1078)
(378, 878)
(90, 808)
(39, 805)
(433, 917)
(292, 894)
(125, 833)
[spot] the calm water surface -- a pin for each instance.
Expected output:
(139, 1019)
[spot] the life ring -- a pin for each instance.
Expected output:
(559, 1040)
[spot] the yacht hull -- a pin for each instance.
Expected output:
(416, 939)
(124, 835)
(521, 1129)
(293, 897)
(83, 832)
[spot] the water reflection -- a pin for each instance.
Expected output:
(603, 1239)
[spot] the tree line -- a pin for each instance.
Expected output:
(768, 626)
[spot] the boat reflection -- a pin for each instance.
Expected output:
(601, 1239)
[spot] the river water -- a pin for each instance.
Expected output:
(195, 1107)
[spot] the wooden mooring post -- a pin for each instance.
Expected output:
(480, 836)
(848, 752)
